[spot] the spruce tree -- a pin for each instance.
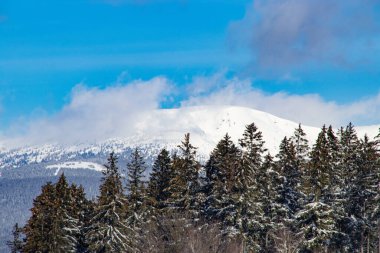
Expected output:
(17, 243)
(353, 222)
(160, 177)
(368, 183)
(221, 170)
(108, 230)
(81, 210)
(376, 207)
(139, 212)
(301, 145)
(334, 195)
(65, 227)
(184, 187)
(248, 196)
(39, 226)
(316, 219)
(52, 227)
(268, 181)
(136, 189)
(289, 189)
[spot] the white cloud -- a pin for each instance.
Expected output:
(309, 109)
(96, 114)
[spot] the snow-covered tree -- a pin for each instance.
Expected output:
(349, 159)
(108, 230)
(221, 171)
(248, 195)
(65, 227)
(316, 219)
(39, 225)
(268, 181)
(159, 181)
(301, 145)
(334, 194)
(289, 189)
(136, 189)
(184, 187)
(368, 182)
(81, 209)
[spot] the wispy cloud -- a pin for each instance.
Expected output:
(94, 114)
(284, 34)
(309, 109)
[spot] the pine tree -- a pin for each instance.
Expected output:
(289, 190)
(248, 196)
(65, 227)
(221, 170)
(368, 182)
(16, 244)
(316, 219)
(160, 177)
(52, 227)
(81, 210)
(301, 145)
(108, 231)
(268, 181)
(353, 223)
(376, 207)
(39, 226)
(184, 187)
(136, 189)
(334, 195)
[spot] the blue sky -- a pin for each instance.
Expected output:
(329, 52)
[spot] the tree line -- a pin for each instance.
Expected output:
(323, 198)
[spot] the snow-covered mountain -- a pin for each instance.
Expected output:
(166, 128)
(23, 170)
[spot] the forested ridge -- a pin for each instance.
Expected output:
(323, 198)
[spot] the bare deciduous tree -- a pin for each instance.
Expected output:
(286, 241)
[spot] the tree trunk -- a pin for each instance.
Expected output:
(378, 247)
(368, 243)
(361, 244)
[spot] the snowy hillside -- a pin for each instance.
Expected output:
(24, 170)
(166, 128)
(75, 165)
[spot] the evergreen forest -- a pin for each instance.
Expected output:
(323, 197)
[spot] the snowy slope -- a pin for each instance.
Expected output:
(166, 128)
(75, 165)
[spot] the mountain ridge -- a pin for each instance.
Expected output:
(166, 128)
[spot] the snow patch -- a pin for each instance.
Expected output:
(75, 165)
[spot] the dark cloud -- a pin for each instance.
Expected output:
(283, 34)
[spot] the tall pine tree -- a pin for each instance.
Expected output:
(289, 189)
(108, 230)
(39, 226)
(184, 187)
(221, 171)
(248, 195)
(160, 177)
(136, 189)
(316, 219)
(353, 223)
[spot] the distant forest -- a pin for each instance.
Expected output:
(323, 198)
